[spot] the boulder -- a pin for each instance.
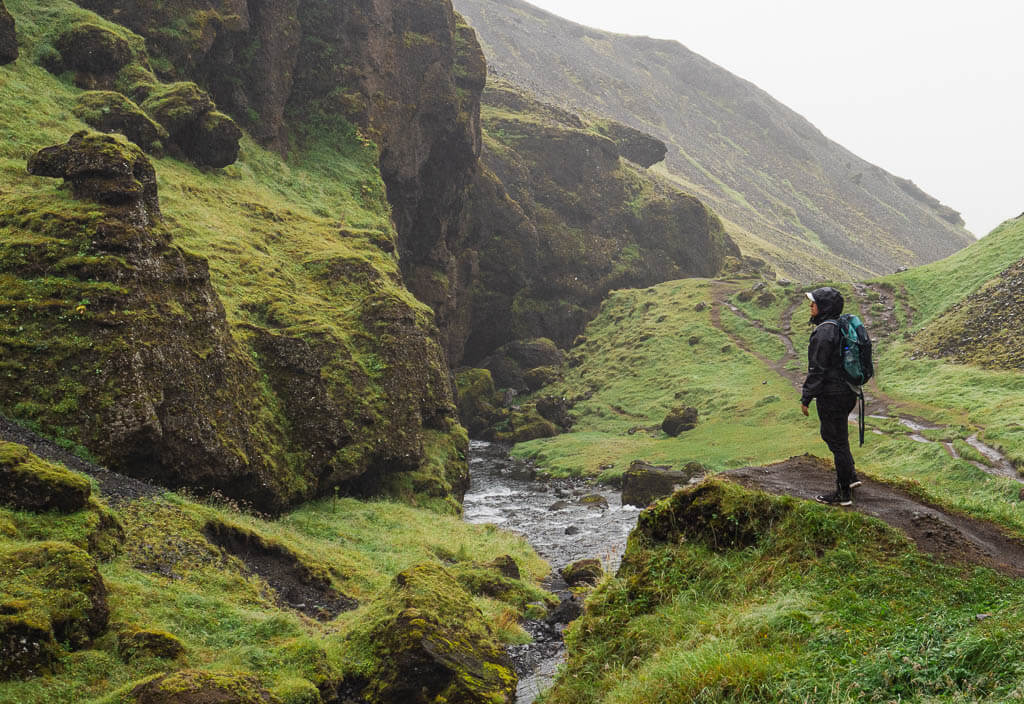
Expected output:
(90, 49)
(213, 141)
(588, 571)
(505, 565)
(62, 588)
(27, 646)
(203, 135)
(478, 401)
(539, 377)
(28, 483)
(109, 111)
(556, 410)
(644, 483)
(197, 687)
(8, 39)
(133, 643)
(100, 168)
(680, 419)
(437, 648)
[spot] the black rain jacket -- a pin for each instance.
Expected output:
(824, 372)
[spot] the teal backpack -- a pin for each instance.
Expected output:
(855, 358)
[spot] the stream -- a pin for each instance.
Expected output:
(560, 525)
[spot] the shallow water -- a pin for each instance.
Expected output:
(551, 515)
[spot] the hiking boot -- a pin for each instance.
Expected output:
(836, 498)
(856, 481)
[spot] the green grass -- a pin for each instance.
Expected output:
(169, 578)
(823, 606)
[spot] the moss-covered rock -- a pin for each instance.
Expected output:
(438, 648)
(100, 168)
(539, 377)
(645, 483)
(30, 484)
(587, 571)
(109, 111)
(478, 401)
(27, 646)
(8, 38)
(680, 419)
(90, 49)
(522, 425)
(198, 687)
(133, 643)
(62, 584)
(203, 135)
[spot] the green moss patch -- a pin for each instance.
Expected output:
(31, 484)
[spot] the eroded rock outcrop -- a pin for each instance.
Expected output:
(441, 637)
(196, 687)
(8, 38)
(28, 483)
(558, 218)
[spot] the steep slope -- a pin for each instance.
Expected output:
(786, 192)
(558, 218)
(251, 335)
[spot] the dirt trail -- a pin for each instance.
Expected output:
(878, 310)
(951, 537)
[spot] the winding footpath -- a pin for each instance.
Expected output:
(878, 404)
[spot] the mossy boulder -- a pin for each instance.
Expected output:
(680, 419)
(522, 425)
(438, 648)
(587, 571)
(645, 483)
(90, 49)
(133, 643)
(505, 565)
(109, 111)
(63, 586)
(100, 168)
(28, 483)
(478, 401)
(198, 687)
(8, 38)
(203, 135)
(214, 141)
(539, 377)
(27, 645)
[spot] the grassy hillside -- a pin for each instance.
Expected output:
(785, 191)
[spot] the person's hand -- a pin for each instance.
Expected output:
(805, 410)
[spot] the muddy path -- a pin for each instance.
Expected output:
(951, 537)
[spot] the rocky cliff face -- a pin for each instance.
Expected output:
(117, 340)
(409, 73)
(791, 196)
(558, 218)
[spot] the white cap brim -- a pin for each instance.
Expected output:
(811, 296)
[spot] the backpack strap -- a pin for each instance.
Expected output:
(859, 390)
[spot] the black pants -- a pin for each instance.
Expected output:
(834, 412)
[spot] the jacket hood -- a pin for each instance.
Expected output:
(830, 303)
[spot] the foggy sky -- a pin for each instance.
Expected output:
(930, 91)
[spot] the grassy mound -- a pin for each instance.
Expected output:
(728, 595)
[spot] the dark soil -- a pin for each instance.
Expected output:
(296, 585)
(116, 487)
(951, 537)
